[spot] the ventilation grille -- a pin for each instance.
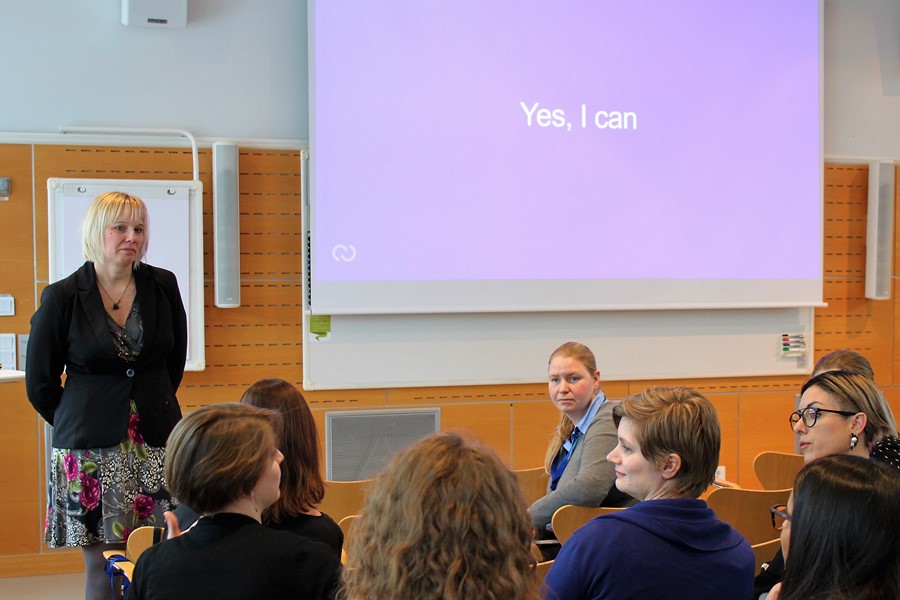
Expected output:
(360, 444)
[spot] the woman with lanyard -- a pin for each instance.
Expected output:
(576, 458)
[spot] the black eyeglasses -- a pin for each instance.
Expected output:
(810, 415)
(779, 516)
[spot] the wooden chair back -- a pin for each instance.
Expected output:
(533, 483)
(139, 540)
(748, 510)
(541, 569)
(717, 484)
(568, 518)
(346, 525)
(777, 470)
(344, 498)
(765, 551)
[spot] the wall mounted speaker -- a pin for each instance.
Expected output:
(880, 231)
(155, 13)
(226, 226)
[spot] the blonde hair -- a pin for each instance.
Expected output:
(676, 420)
(858, 393)
(446, 521)
(217, 454)
(105, 209)
(581, 353)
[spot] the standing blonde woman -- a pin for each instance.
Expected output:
(118, 329)
(445, 521)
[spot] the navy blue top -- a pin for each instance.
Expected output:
(655, 549)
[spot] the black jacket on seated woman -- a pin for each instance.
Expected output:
(222, 459)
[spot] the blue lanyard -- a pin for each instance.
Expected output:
(559, 465)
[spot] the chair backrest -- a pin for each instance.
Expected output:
(141, 539)
(765, 551)
(344, 498)
(568, 518)
(533, 483)
(346, 525)
(541, 569)
(777, 470)
(718, 483)
(748, 510)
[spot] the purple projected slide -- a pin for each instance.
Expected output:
(576, 140)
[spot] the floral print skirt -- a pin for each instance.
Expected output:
(101, 495)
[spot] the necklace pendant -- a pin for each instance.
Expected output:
(115, 306)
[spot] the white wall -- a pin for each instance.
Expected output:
(862, 78)
(239, 71)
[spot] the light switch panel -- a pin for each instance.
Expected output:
(8, 350)
(7, 305)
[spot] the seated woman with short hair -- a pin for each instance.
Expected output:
(302, 487)
(669, 545)
(222, 460)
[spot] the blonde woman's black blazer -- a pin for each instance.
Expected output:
(91, 410)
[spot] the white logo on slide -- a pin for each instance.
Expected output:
(342, 253)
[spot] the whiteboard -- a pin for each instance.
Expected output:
(366, 351)
(176, 237)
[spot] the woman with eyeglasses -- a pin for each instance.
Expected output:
(839, 532)
(840, 413)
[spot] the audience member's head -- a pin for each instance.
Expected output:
(841, 413)
(669, 444)
(841, 540)
(223, 453)
(446, 521)
(302, 487)
(844, 360)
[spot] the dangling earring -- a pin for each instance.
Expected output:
(853, 441)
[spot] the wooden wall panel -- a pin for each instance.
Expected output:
(727, 409)
(727, 384)
(19, 504)
(763, 425)
(454, 394)
(489, 423)
(532, 425)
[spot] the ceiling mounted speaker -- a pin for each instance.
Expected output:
(155, 13)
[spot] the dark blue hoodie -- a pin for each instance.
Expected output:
(655, 549)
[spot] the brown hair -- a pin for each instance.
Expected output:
(676, 420)
(445, 521)
(105, 209)
(844, 360)
(217, 454)
(302, 487)
(582, 354)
